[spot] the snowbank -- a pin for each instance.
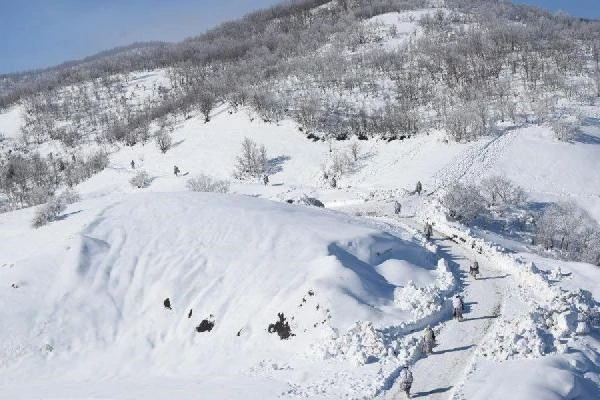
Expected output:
(241, 259)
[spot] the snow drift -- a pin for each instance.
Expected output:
(241, 259)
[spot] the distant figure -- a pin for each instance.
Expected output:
(428, 340)
(167, 303)
(266, 179)
(419, 188)
(132, 164)
(457, 306)
(397, 207)
(14, 286)
(333, 182)
(474, 269)
(190, 313)
(405, 380)
(428, 230)
(176, 170)
(206, 325)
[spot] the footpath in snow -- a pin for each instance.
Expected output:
(439, 375)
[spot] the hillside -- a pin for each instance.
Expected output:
(266, 171)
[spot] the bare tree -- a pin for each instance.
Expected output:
(163, 141)
(252, 162)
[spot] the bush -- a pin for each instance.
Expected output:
(48, 212)
(500, 191)
(163, 142)
(205, 183)
(571, 231)
(141, 180)
(464, 202)
(69, 196)
(252, 163)
(565, 130)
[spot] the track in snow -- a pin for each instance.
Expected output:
(440, 375)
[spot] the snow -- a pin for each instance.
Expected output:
(85, 319)
(246, 259)
(11, 121)
(241, 259)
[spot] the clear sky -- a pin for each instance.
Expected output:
(579, 8)
(42, 33)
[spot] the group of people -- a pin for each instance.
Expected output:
(405, 378)
(428, 342)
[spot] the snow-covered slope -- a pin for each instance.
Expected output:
(94, 303)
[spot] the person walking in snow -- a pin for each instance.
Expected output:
(167, 303)
(457, 306)
(474, 269)
(266, 179)
(428, 230)
(428, 340)
(176, 170)
(132, 164)
(397, 207)
(333, 182)
(419, 188)
(405, 380)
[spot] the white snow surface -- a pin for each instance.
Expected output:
(89, 298)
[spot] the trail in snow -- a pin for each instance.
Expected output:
(439, 375)
(474, 161)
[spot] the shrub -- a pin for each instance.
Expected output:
(48, 212)
(565, 130)
(252, 163)
(163, 142)
(205, 183)
(141, 180)
(500, 191)
(566, 228)
(463, 202)
(69, 196)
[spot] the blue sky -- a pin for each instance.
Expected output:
(41, 33)
(578, 8)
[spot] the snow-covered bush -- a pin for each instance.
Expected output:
(82, 168)
(500, 191)
(48, 212)
(338, 164)
(69, 196)
(205, 183)
(463, 123)
(140, 180)
(252, 162)
(163, 142)
(463, 202)
(571, 231)
(341, 163)
(565, 130)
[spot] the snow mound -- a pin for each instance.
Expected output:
(241, 259)
(541, 331)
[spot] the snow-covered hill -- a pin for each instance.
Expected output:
(96, 301)
(107, 300)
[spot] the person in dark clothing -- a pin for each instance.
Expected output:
(167, 303)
